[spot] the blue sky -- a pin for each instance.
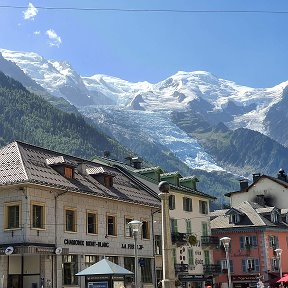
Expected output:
(248, 48)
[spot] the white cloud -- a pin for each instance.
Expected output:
(31, 12)
(37, 32)
(55, 40)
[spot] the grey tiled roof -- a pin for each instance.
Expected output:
(24, 163)
(252, 217)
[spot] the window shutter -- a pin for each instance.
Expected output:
(190, 256)
(244, 266)
(242, 242)
(257, 266)
(254, 241)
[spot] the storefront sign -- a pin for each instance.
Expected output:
(97, 284)
(96, 278)
(131, 246)
(244, 277)
(85, 243)
(191, 278)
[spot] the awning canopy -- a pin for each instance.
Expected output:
(104, 267)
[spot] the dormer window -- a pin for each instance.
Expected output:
(62, 166)
(68, 172)
(234, 218)
(108, 181)
(275, 217)
(102, 175)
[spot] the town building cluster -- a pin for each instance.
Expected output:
(62, 214)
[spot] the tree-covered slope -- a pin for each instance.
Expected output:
(27, 117)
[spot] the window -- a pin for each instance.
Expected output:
(108, 181)
(224, 265)
(188, 226)
(38, 216)
(146, 270)
(173, 224)
(247, 242)
(234, 218)
(171, 202)
(273, 241)
(91, 222)
(206, 257)
(90, 260)
(204, 229)
(250, 265)
(113, 259)
(145, 230)
(129, 263)
(128, 229)
(12, 215)
(274, 264)
(190, 256)
(68, 172)
(187, 204)
(275, 217)
(70, 269)
(158, 245)
(70, 220)
(111, 225)
(203, 207)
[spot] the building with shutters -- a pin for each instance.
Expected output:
(255, 231)
(192, 241)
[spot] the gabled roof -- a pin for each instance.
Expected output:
(276, 180)
(104, 267)
(252, 217)
(25, 163)
(233, 211)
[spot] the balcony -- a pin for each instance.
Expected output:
(181, 267)
(214, 269)
(210, 241)
(178, 238)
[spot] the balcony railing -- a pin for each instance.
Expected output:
(214, 269)
(210, 241)
(178, 238)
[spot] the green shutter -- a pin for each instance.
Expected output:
(190, 256)
(188, 226)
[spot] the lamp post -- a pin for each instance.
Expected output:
(278, 255)
(226, 243)
(135, 226)
(167, 255)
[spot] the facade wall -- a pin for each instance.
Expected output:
(197, 221)
(78, 243)
(270, 189)
(264, 252)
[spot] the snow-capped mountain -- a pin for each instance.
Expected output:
(129, 111)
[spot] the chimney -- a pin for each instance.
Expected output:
(136, 161)
(282, 175)
(256, 176)
(243, 185)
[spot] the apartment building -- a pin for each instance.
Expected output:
(62, 213)
(256, 231)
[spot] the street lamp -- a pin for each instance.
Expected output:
(226, 243)
(167, 255)
(278, 255)
(135, 225)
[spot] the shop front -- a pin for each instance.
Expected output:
(245, 281)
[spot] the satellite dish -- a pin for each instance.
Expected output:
(58, 250)
(9, 250)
